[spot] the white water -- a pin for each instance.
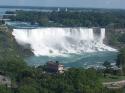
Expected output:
(59, 41)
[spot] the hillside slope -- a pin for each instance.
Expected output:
(8, 46)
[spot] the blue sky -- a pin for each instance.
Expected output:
(67, 3)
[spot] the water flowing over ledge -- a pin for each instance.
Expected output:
(59, 41)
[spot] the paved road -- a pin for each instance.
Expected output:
(117, 84)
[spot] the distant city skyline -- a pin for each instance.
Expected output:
(117, 4)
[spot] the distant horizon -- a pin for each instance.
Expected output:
(37, 7)
(103, 4)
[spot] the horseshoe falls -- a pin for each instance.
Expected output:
(71, 46)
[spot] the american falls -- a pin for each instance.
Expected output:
(58, 41)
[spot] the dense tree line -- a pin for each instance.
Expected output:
(121, 60)
(73, 19)
(75, 80)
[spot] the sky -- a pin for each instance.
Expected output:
(117, 4)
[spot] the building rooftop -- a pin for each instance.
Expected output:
(54, 63)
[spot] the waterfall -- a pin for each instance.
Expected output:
(56, 41)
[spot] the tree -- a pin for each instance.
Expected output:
(107, 64)
(2, 22)
(3, 89)
(27, 89)
(43, 21)
(121, 60)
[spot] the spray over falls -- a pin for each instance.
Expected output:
(58, 41)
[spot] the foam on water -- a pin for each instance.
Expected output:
(60, 41)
